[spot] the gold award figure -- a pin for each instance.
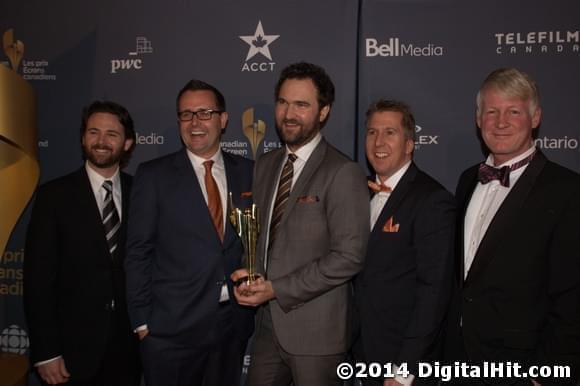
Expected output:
(246, 224)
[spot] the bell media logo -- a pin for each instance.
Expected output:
(135, 61)
(393, 47)
(537, 42)
(259, 49)
(14, 340)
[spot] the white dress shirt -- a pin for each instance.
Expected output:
(97, 180)
(484, 204)
(380, 198)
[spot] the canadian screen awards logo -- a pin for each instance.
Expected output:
(14, 340)
(259, 43)
(135, 61)
(31, 69)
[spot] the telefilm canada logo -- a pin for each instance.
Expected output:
(134, 62)
(259, 48)
(537, 42)
(395, 47)
(31, 69)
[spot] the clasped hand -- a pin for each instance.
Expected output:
(252, 294)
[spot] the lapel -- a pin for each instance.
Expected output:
(395, 199)
(303, 181)
(504, 219)
(463, 194)
(88, 203)
(233, 187)
(190, 194)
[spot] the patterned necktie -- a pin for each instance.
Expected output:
(214, 202)
(487, 173)
(281, 196)
(111, 220)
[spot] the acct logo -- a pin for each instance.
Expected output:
(537, 42)
(134, 61)
(259, 43)
(14, 340)
(393, 47)
(423, 139)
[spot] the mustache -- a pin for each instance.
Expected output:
(101, 147)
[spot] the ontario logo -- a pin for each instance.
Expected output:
(135, 60)
(393, 47)
(537, 42)
(259, 43)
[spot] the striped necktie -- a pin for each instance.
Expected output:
(111, 220)
(282, 196)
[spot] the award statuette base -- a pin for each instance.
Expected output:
(247, 279)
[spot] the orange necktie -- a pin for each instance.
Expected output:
(214, 202)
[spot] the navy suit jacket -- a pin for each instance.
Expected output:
(176, 263)
(403, 291)
(70, 279)
(521, 298)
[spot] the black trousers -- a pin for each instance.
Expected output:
(215, 361)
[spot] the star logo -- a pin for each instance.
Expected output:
(259, 42)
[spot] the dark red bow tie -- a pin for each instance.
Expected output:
(487, 173)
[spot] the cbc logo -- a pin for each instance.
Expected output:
(14, 340)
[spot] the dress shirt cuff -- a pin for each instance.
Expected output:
(47, 361)
(407, 381)
(142, 327)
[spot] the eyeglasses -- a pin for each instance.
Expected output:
(202, 115)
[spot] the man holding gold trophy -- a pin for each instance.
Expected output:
(313, 235)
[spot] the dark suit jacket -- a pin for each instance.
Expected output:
(70, 278)
(404, 289)
(176, 263)
(521, 298)
(320, 245)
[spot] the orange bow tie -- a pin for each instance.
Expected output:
(379, 188)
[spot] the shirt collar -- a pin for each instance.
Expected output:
(197, 161)
(97, 180)
(393, 180)
(489, 160)
(304, 152)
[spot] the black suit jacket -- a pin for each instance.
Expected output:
(521, 298)
(176, 263)
(70, 279)
(404, 288)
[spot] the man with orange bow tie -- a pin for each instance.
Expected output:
(403, 290)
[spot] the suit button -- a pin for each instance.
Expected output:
(467, 299)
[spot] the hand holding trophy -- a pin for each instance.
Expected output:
(247, 226)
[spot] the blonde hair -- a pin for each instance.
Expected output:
(514, 84)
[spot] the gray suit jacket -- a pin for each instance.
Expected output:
(320, 245)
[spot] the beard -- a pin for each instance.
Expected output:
(103, 160)
(301, 136)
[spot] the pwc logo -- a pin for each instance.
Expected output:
(134, 61)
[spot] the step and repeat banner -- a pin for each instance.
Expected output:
(431, 54)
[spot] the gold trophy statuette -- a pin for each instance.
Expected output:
(247, 226)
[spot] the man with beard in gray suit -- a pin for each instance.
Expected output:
(314, 226)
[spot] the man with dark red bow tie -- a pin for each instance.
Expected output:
(403, 291)
(519, 269)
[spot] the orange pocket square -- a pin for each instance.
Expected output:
(307, 199)
(246, 194)
(390, 227)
